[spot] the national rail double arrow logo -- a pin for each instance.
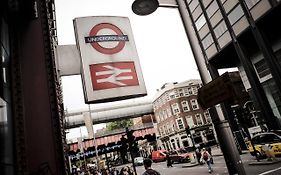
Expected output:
(94, 38)
(113, 75)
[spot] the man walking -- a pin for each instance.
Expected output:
(205, 156)
(148, 170)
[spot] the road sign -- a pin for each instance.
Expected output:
(113, 75)
(110, 66)
(225, 87)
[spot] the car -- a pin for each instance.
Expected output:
(138, 161)
(272, 139)
(179, 156)
(159, 155)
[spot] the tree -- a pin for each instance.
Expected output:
(119, 124)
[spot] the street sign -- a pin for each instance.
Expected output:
(225, 87)
(110, 66)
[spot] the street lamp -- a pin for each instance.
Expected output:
(145, 7)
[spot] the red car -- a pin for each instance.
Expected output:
(179, 156)
(159, 155)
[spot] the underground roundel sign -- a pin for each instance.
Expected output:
(96, 40)
(110, 67)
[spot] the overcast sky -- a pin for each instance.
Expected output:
(162, 45)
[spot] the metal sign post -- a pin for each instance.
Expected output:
(94, 136)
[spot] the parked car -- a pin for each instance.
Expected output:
(179, 156)
(138, 161)
(159, 155)
(272, 139)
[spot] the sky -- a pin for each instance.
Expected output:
(162, 45)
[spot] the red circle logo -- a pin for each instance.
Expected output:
(102, 49)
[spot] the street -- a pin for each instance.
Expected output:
(219, 167)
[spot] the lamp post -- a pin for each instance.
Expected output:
(227, 142)
(94, 137)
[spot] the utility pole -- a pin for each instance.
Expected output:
(131, 140)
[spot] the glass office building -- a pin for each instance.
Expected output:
(244, 34)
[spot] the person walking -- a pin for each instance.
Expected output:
(198, 154)
(209, 149)
(148, 170)
(206, 157)
(169, 160)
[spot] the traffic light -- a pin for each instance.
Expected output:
(131, 138)
(187, 130)
(124, 143)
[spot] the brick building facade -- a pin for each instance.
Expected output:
(176, 108)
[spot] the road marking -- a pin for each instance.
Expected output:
(270, 171)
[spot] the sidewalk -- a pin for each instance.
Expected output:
(216, 151)
(264, 162)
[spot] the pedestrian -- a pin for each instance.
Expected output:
(206, 157)
(148, 170)
(169, 161)
(209, 149)
(198, 154)
(124, 171)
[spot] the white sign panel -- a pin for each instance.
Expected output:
(110, 66)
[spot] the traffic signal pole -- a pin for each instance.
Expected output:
(223, 130)
(130, 139)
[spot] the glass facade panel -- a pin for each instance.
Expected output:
(273, 96)
(220, 29)
(200, 22)
(235, 14)
(193, 4)
(212, 9)
(207, 41)
(251, 3)
(196, 13)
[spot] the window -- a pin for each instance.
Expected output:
(157, 118)
(169, 113)
(251, 3)
(175, 108)
(167, 96)
(195, 90)
(180, 123)
(194, 104)
(185, 106)
(181, 92)
(160, 116)
(193, 5)
(212, 9)
(172, 95)
(176, 93)
(200, 22)
(207, 41)
(164, 114)
(208, 117)
(165, 130)
(262, 68)
(190, 92)
(199, 119)
(269, 138)
(189, 121)
(170, 129)
(220, 29)
(235, 14)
